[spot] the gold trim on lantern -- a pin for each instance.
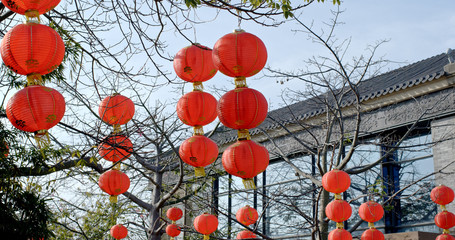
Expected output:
(113, 199)
(240, 82)
(198, 130)
(34, 79)
(340, 225)
(371, 225)
(197, 86)
(32, 16)
(243, 134)
(337, 196)
(199, 171)
(248, 183)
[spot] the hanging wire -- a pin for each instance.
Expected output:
(239, 18)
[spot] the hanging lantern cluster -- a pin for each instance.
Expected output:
(443, 195)
(174, 214)
(241, 55)
(246, 216)
(337, 181)
(119, 231)
(371, 212)
(197, 108)
(206, 224)
(33, 50)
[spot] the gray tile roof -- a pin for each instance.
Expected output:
(389, 82)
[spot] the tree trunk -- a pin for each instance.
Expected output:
(323, 226)
(155, 222)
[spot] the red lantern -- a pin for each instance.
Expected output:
(371, 211)
(336, 181)
(442, 195)
(119, 231)
(35, 108)
(444, 236)
(445, 220)
(239, 54)
(115, 148)
(245, 234)
(30, 7)
(198, 151)
(247, 215)
(242, 108)
(206, 224)
(5, 149)
(32, 49)
(372, 234)
(340, 234)
(194, 63)
(173, 230)
(197, 108)
(114, 183)
(338, 210)
(174, 213)
(245, 159)
(116, 110)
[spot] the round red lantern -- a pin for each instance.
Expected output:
(444, 236)
(173, 230)
(197, 108)
(174, 213)
(372, 234)
(116, 110)
(35, 108)
(245, 234)
(340, 234)
(30, 8)
(445, 220)
(198, 151)
(119, 231)
(338, 210)
(32, 49)
(114, 183)
(206, 224)
(115, 148)
(239, 54)
(245, 159)
(442, 195)
(336, 181)
(371, 211)
(194, 63)
(4, 149)
(247, 215)
(242, 108)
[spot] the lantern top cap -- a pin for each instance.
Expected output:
(238, 30)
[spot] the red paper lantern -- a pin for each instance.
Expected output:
(115, 148)
(245, 234)
(197, 108)
(242, 108)
(239, 54)
(114, 183)
(245, 159)
(372, 234)
(247, 215)
(444, 236)
(198, 151)
(5, 149)
(119, 231)
(442, 195)
(174, 213)
(173, 230)
(371, 211)
(35, 108)
(116, 110)
(336, 181)
(29, 7)
(445, 220)
(338, 210)
(206, 224)
(194, 63)
(340, 234)
(32, 49)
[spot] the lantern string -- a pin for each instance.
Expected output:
(443, 208)
(239, 18)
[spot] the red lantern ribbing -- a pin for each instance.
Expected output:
(442, 195)
(372, 234)
(371, 211)
(173, 230)
(198, 151)
(174, 214)
(245, 234)
(194, 63)
(338, 211)
(206, 224)
(116, 110)
(119, 231)
(340, 234)
(444, 236)
(336, 181)
(30, 8)
(114, 183)
(445, 220)
(115, 148)
(197, 108)
(245, 159)
(247, 215)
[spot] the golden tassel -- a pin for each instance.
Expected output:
(337, 196)
(117, 128)
(206, 237)
(172, 238)
(30, 15)
(197, 86)
(198, 130)
(117, 166)
(243, 134)
(240, 82)
(42, 138)
(199, 171)
(113, 199)
(34, 79)
(446, 231)
(248, 183)
(340, 225)
(443, 208)
(371, 225)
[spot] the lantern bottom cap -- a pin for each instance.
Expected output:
(199, 171)
(248, 183)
